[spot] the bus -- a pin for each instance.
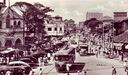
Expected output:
(65, 61)
(65, 55)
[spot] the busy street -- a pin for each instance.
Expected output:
(63, 37)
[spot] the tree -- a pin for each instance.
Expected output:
(33, 16)
(93, 24)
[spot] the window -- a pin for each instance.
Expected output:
(0, 24)
(19, 23)
(55, 29)
(49, 29)
(8, 21)
(60, 29)
(14, 23)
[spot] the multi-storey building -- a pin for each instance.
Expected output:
(55, 27)
(96, 15)
(11, 28)
(119, 16)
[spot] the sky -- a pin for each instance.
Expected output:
(77, 9)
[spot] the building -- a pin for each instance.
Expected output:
(119, 16)
(107, 20)
(96, 15)
(11, 28)
(55, 26)
(54, 29)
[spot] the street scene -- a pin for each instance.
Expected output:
(63, 37)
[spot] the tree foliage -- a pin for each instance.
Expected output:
(33, 15)
(93, 24)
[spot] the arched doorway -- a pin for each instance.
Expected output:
(18, 43)
(8, 43)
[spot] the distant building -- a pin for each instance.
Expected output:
(54, 29)
(119, 16)
(55, 26)
(107, 20)
(96, 15)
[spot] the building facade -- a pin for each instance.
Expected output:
(96, 15)
(11, 28)
(119, 16)
(55, 26)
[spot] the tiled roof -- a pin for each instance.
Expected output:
(16, 13)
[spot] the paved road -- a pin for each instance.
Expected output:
(94, 66)
(101, 65)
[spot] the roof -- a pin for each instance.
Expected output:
(64, 51)
(14, 10)
(17, 10)
(122, 38)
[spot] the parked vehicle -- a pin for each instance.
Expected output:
(32, 63)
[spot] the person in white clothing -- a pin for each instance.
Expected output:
(8, 73)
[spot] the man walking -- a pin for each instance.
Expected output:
(114, 71)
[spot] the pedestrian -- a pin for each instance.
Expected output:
(41, 72)
(85, 72)
(32, 73)
(114, 71)
(122, 56)
(96, 53)
(8, 73)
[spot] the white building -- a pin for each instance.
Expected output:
(54, 26)
(54, 29)
(96, 15)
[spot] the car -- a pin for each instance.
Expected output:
(32, 63)
(13, 65)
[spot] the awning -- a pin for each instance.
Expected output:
(122, 38)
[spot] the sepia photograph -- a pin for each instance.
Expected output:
(63, 37)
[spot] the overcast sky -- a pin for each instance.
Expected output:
(76, 9)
